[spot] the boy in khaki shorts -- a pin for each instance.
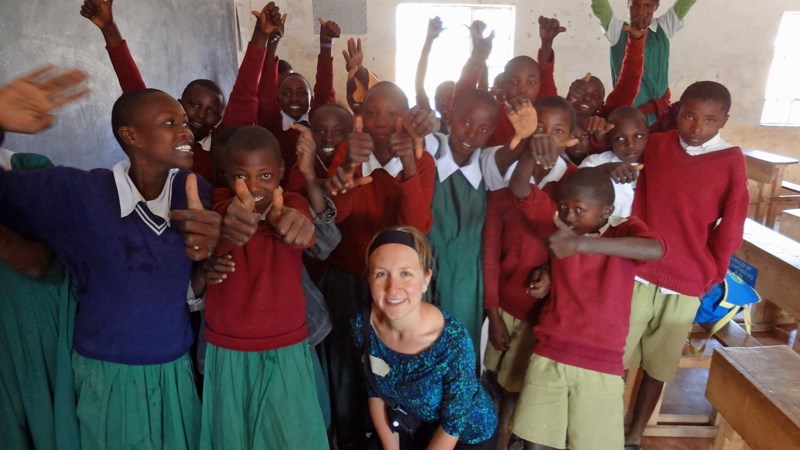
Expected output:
(693, 191)
(572, 393)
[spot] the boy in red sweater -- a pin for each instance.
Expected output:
(259, 380)
(572, 394)
(693, 191)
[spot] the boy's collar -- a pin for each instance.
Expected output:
(613, 221)
(711, 145)
(288, 121)
(129, 195)
(392, 167)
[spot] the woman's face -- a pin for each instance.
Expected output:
(397, 280)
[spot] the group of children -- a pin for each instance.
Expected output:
(582, 238)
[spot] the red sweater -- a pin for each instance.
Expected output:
(682, 197)
(586, 321)
(261, 306)
(386, 202)
(513, 246)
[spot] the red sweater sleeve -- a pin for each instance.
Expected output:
(269, 111)
(492, 249)
(125, 67)
(323, 86)
(242, 107)
(416, 195)
(547, 82)
(539, 209)
(630, 76)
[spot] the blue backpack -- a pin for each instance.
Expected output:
(723, 302)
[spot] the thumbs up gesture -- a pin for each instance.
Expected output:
(564, 242)
(293, 227)
(200, 228)
(241, 221)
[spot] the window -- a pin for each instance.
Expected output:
(452, 48)
(782, 99)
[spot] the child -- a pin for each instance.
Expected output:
(400, 193)
(627, 139)
(259, 378)
(122, 234)
(201, 99)
(459, 208)
(572, 394)
(693, 192)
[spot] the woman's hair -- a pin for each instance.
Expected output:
(420, 243)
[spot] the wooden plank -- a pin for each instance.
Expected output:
(755, 389)
(727, 438)
(693, 431)
(733, 335)
(790, 223)
(769, 158)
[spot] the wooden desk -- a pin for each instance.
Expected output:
(790, 223)
(756, 393)
(767, 170)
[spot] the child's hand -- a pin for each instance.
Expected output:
(638, 27)
(328, 30)
(539, 285)
(622, 172)
(476, 29)
(344, 180)
(545, 150)
(401, 145)
(241, 221)
(564, 242)
(293, 227)
(417, 123)
(523, 118)
(498, 333)
(359, 144)
(98, 11)
(578, 88)
(434, 28)
(26, 102)
(353, 56)
(306, 151)
(269, 20)
(597, 125)
(200, 227)
(549, 28)
(215, 269)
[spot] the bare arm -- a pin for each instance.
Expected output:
(377, 413)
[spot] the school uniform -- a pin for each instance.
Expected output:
(623, 192)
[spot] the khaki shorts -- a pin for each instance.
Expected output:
(511, 364)
(660, 324)
(562, 404)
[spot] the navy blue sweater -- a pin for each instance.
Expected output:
(131, 283)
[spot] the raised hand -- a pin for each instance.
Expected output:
(241, 220)
(344, 180)
(418, 124)
(328, 30)
(269, 20)
(306, 150)
(359, 144)
(26, 102)
(539, 285)
(293, 227)
(545, 149)
(200, 228)
(401, 145)
(476, 29)
(638, 27)
(578, 87)
(549, 28)
(353, 56)
(597, 125)
(435, 28)
(215, 269)
(564, 242)
(99, 12)
(523, 118)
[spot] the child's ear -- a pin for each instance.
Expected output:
(127, 134)
(607, 210)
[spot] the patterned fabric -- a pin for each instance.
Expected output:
(437, 385)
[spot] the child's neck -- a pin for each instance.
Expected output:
(149, 182)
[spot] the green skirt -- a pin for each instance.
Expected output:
(124, 406)
(265, 400)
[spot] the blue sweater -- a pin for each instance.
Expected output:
(131, 283)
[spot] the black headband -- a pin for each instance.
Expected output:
(392, 237)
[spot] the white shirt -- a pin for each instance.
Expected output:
(669, 21)
(393, 166)
(287, 120)
(446, 166)
(129, 195)
(714, 144)
(623, 192)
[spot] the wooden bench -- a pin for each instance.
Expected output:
(790, 224)
(765, 171)
(756, 393)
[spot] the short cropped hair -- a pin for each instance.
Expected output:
(521, 59)
(420, 242)
(126, 108)
(205, 84)
(295, 74)
(593, 181)
(284, 67)
(476, 96)
(556, 102)
(334, 106)
(627, 113)
(393, 88)
(252, 138)
(708, 90)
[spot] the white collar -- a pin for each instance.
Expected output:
(714, 144)
(5, 158)
(446, 166)
(287, 121)
(653, 25)
(129, 195)
(613, 221)
(205, 143)
(393, 167)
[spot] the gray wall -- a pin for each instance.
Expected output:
(173, 42)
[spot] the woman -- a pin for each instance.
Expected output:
(420, 358)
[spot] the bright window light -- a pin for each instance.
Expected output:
(453, 46)
(782, 99)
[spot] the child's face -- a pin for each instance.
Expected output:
(521, 80)
(700, 120)
(628, 139)
(642, 9)
(294, 97)
(381, 110)
(579, 151)
(330, 126)
(261, 171)
(203, 108)
(555, 122)
(591, 102)
(161, 134)
(471, 127)
(581, 212)
(443, 100)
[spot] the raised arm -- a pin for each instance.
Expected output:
(323, 85)
(682, 7)
(269, 110)
(602, 10)
(476, 64)
(100, 13)
(566, 243)
(434, 29)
